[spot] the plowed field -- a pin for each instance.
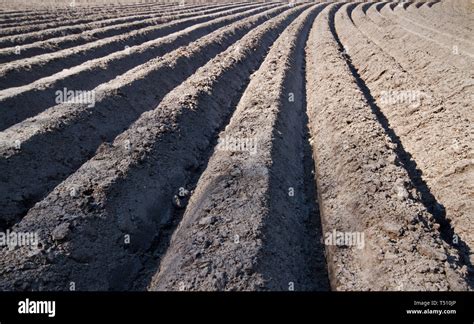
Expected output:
(237, 146)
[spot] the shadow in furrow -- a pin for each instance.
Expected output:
(54, 163)
(433, 206)
(161, 243)
(311, 195)
(295, 220)
(365, 7)
(379, 6)
(431, 4)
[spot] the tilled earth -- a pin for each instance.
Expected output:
(238, 146)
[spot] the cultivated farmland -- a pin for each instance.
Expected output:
(237, 145)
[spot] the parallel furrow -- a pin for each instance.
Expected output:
(444, 52)
(128, 187)
(74, 17)
(438, 36)
(362, 188)
(91, 15)
(449, 71)
(96, 29)
(57, 141)
(458, 9)
(243, 229)
(60, 43)
(72, 26)
(32, 12)
(27, 101)
(426, 122)
(28, 70)
(429, 19)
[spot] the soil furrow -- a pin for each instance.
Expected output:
(27, 101)
(445, 16)
(247, 225)
(58, 21)
(443, 53)
(77, 10)
(64, 37)
(425, 124)
(450, 81)
(128, 187)
(389, 239)
(17, 52)
(78, 17)
(458, 9)
(14, 74)
(205, 145)
(429, 19)
(56, 142)
(30, 24)
(437, 36)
